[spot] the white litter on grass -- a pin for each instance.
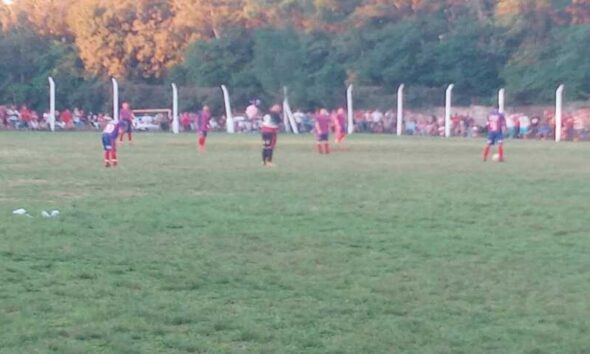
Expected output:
(19, 212)
(50, 214)
(45, 214)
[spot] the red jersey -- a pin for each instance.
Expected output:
(341, 121)
(496, 122)
(203, 121)
(126, 114)
(322, 123)
(66, 117)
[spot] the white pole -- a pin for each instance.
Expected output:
(51, 104)
(288, 113)
(175, 123)
(229, 123)
(400, 109)
(448, 108)
(115, 100)
(285, 103)
(350, 109)
(501, 100)
(558, 112)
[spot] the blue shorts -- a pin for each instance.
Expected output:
(203, 133)
(107, 142)
(495, 138)
(323, 137)
(126, 125)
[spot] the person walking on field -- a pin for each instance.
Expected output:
(340, 124)
(269, 129)
(126, 122)
(203, 120)
(322, 130)
(496, 127)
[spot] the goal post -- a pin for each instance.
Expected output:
(153, 120)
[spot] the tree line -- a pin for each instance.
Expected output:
(315, 47)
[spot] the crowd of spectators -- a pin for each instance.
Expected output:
(24, 118)
(519, 125)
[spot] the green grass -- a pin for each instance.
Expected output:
(398, 245)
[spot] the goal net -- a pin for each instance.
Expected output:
(152, 119)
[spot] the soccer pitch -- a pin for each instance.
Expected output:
(397, 245)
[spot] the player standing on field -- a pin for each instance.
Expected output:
(203, 120)
(340, 124)
(126, 122)
(496, 126)
(109, 143)
(322, 131)
(269, 129)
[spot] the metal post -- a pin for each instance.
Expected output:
(175, 122)
(51, 104)
(558, 112)
(400, 109)
(115, 100)
(448, 108)
(229, 123)
(350, 109)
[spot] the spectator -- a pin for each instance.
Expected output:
(66, 118)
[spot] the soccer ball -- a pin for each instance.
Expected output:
(496, 157)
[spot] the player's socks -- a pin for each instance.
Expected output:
(107, 158)
(320, 149)
(501, 152)
(327, 148)
(130, 137)
(486, 152)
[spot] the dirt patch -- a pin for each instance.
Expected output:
(24, 182)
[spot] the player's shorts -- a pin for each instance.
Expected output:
(126, 125)
(323, 137)
(495, 138)
(203, 134)
(107, 142)
(267, 140)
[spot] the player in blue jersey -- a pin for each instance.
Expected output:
(109, 143)
(496, 127)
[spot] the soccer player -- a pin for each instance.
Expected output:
(203, 119)
(126, 122)
(322, 130)
(340, 124)
(496, 126)
(269, 132)
(275, 116)
(109, 143)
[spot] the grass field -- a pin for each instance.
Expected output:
(398, 245)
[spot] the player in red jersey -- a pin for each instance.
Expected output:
(109, 144)
(126, 122)
(340, 124)
(322, 130)
(202, 124)
(496, 126)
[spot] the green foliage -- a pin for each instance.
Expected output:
(537, 70)
(313, 46)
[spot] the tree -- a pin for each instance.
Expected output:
(129, 38)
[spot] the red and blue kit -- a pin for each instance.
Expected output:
(322, 124)
(109, 143)
(496, 125)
